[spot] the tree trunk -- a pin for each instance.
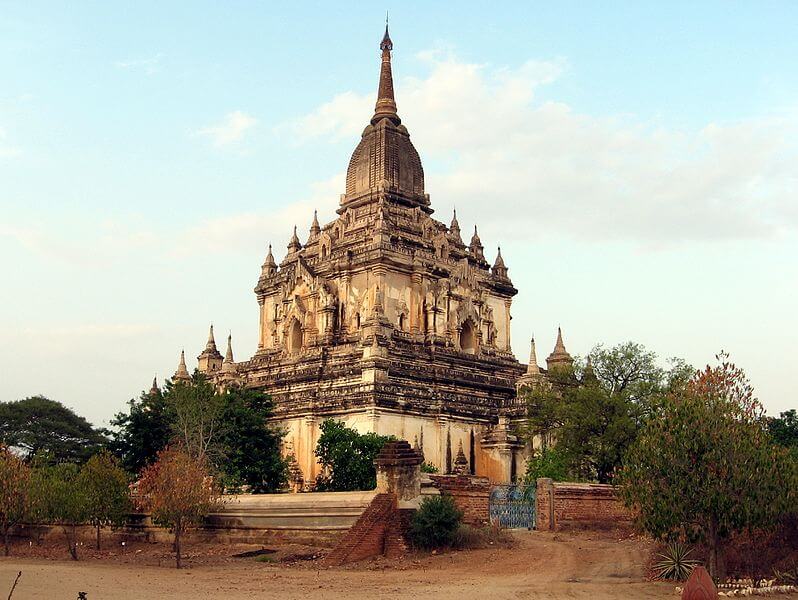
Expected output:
(177, 542)
(717, 565)
(5, 538)
(72, 544)
(98, 536)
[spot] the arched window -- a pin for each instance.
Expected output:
(357, 320)
(401, 321)
(295, 337)
(468, 338)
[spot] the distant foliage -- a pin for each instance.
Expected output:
(784, 430)
(347, 457)
(41, 427)
(141, 432)
(14, 492)
(178, 491)
(105, 485)
(435, 523)
(706, 466)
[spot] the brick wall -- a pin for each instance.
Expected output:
(578, 505)
(470, 495)
(367, 537)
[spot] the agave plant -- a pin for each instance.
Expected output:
(675, 563)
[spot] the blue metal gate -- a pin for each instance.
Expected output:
(513, 506)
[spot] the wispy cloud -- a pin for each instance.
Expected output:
(149, 66)
(546, 168)
(230, 130)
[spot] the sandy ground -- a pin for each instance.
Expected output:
(539, 566)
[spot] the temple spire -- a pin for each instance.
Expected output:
(228, 365)
(499, 268)
(476, 246)
(293, 244)
(211, 345)
(154, 389)
(314, 227)
(454, 228)
(386, 104)
(559, 356)
(182, 372)
(533, 368)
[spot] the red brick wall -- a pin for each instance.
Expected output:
(367, 537)
(578, 505)
(470, 495)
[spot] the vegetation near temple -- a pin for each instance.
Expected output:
(595, 411)
(347, 458)
(229, 428)
(38, 426)
(435, 523)
(105, 485)
(178, 491)
(705, 467)
(14, 492)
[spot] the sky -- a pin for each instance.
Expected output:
(636, 161)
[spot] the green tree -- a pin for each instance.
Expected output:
(249, 444)
(195, 414)
(142, 432)
(105, 485)
(14, 491)
(178, 491)
(347, 457)
(706, 467)
(44, 427)
(548, 462)
(784, 429)
(595, 411)
(59, 498)
(435, 522)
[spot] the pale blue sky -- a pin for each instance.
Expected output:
(636, 161)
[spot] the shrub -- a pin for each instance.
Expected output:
(674, 563)
(347, 457)
(435, 522)
(548, 462)
(428, 468)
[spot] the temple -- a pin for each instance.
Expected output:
(386, 320)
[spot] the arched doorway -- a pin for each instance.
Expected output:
(468, 338)
(295, 337)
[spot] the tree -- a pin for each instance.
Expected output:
(105, 486)
(784, 429)
(178, 492)
(142, 432)
(706, 467)
(548, 462)
(249, 445)
(57, 497)
(595, 411)
(40, 426)
(14, 491)
(347, 457)
(195, 411)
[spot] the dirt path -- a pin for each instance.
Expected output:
(540, 566)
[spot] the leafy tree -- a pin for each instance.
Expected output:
(435, 522)
(706, 467)
(105, 486)
(142, 432)
(195, 409)
(347, 457)
(57, 497)
(549, 462)
(784, 429)
(14, 491)
(178, 491)
(250, 446)
(595, 411)
(40, 426)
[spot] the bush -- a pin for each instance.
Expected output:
(548, 462)
(674, 563)
(435, 522)
(347, 457)
(428, 468)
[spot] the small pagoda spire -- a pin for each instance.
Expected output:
(454, 228)
(499, 268)
(314, 227)
(589, 374)
(228, 365)
(154, 389)
(269, 266)
(182, 372)
(559, 355)
(460, 462)
(476, 246)
(386, 104)
(293, 244)
(533, 368)
(211, 344)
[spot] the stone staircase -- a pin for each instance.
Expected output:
(367, 537)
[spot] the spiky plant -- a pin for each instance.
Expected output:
(674, 563)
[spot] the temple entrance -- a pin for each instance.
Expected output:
(295, 337)
(513, 506)
(468, 338)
